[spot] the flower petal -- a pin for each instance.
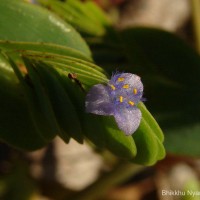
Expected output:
(98, 101)
(128, 120)
(131, 80)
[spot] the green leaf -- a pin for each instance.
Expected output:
(44, 104)
(17, 126)
(104, 133)
(21, 21)
(18, 130)
(151, 121)
(62, 57)
(42, 48)
(148, 139)
(170, 70)
(82, 15)
(27, 127)
(37, 90)
(64, 109)
(149, 148)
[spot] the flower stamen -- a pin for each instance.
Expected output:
(120, 99)
(112, 87)
(135, 91)
(126, 86)
(131, 103)
(120, 79)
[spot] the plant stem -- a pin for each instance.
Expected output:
(121, 173)
(195, 4)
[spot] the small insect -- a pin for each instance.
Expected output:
(118, 98)
(73, 76)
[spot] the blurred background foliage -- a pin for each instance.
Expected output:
(47, 65)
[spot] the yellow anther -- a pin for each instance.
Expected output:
(121, 99)
(126, 86)
(120, 79)
(135, 91)
(112, 87)
(131, 103)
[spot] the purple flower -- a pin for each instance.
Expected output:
(118, 98)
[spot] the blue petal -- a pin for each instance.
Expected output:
(98, 101)
(128, 120)
(132, 80)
